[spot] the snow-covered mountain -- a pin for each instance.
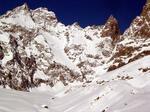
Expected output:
(39, 49)
(91, 69)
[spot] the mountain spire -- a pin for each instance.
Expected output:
(111, 28)
(25, 6)
(140, 25)
(146, 9)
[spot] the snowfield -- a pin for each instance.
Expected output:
(126, 89)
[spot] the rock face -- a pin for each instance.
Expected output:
(38, 49)
(140, 26)
(135, 41)
(111, 28)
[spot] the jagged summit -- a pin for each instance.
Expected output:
(20, 9)
(141, 24)
(25, 17)
(112, 19)
(111, 28)
(148, 1)
(43, 17)
(146, 9)
(134, 42)
(24, 7)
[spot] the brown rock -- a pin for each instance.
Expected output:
(111, 29)
(140, 26)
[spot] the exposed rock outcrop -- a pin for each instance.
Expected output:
(111, 29)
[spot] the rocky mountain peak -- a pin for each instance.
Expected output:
(25, 17)
(112, 19)
(43, 17)
(24, 7)
(146, 10)
(141, 24)
(135, 40)
(111, 28)
(20, 16)
(21, 9)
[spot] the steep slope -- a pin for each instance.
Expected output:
(135, 42)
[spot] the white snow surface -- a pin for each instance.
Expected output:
(113, 95)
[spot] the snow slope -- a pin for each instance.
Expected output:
(108, 93)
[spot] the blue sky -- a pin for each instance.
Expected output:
(85, 12)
